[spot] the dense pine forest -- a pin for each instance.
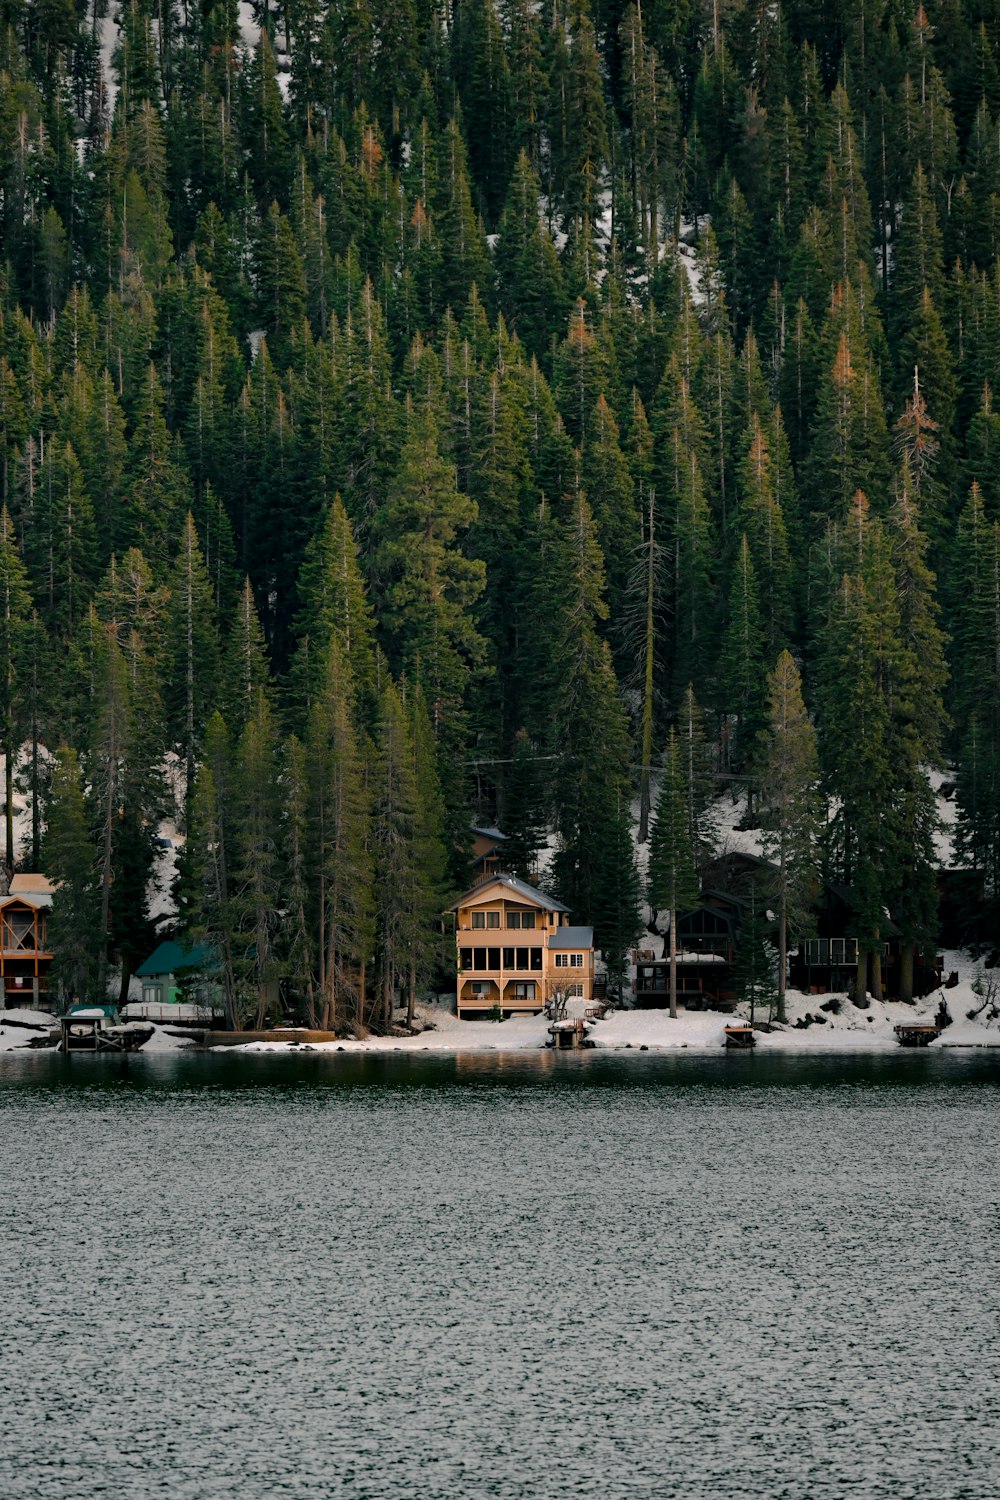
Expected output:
(423, 414)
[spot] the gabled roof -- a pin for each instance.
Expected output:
(489, 833)
(30, 884)
(171, 958)
(512, 886)
(572, 937)
(40, 900)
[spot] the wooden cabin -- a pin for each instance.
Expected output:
(707, 939)
(828, 962)
(25, 957)
(516, 949)
(487, 852)
(177, 985)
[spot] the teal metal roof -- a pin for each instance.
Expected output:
(171, 958)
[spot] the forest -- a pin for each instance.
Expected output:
(545, 414)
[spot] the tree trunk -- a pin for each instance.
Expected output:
(647, 692)
(906, 964)
(877, 972)
(9, 810)
(673, 965)
(861, 982)
(783, 942)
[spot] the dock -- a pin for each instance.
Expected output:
(740, 1038)
(916, 1033)
(90, 1033)
(570, 1033)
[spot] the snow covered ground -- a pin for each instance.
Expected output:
(845, 1028)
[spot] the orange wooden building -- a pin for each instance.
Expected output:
(25, 958)
(517, 950)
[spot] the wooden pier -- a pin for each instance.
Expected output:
(82, 1033)
(916, 1033)
(567, 1034)
(740, 1038)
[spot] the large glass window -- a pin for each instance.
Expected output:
(478, 920)
(493, 919)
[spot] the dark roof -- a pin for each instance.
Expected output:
(489, 833)
(572, 937)
(171, 958)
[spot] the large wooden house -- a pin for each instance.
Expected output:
(25, 958)
(828, 962)
(707, 939)
(516, 950)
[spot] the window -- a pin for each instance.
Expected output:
(536, 958)
(562, 960)
(480, 959)
(478, 919)
(493, 919)
(524, 990)
(576, 960)
(575, 989)
(527, 921)
(480, 987)
(514, 920)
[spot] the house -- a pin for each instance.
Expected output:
(828, 962)
(707, 940)
(516, 949)
(176, 985)
(25, 959)
(487, 855)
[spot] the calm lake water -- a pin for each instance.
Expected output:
(499, 1276)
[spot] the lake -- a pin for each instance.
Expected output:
(499, 1275)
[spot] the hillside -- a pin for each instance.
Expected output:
(493, 412)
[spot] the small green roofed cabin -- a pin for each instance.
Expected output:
(178, 984)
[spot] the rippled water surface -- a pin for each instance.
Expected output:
(515, 1276)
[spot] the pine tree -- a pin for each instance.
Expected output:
(671, 882)
(70, 859)
(211, 857)
(753, 970)
(523, 810)
(429, 587)
(787, 771)
(340, 810)
(588, 728)
(741, 664)
(15, 630)
(394, 851)
(333, 607)
(255, 869)
(190, 655)
(245, 675)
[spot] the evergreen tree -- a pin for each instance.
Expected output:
(787, 768)
(753, 970)
(671, 882)
(70, 859)
(190, 657)
(15, 628)
(429, 587)
(741, 664)
(340, 809)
